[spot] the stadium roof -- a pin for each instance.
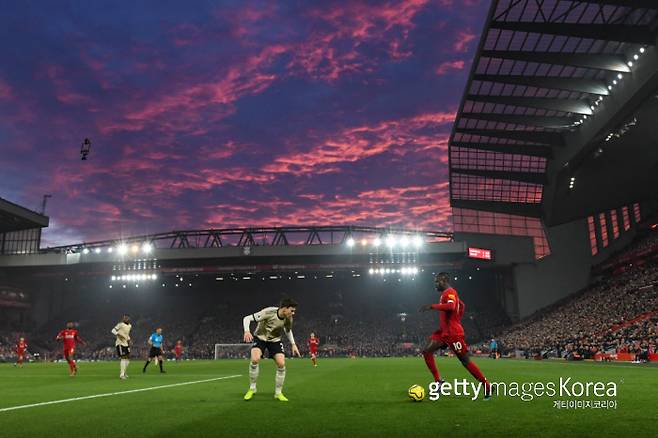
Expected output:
(13, 217)
(540, 73)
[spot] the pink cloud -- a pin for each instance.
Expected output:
(445, 67)
(463, 39)
(358, 143)
(180, 109)
(382, 207)
(328, 54)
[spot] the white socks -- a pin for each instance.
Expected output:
(278, 380)
(253, 376)
(124, 367)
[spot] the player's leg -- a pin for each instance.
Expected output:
(20, 360)
(314, 359)
(74, 365)
(465, 358)
(254, 368)
(124, 355)
(148, 360)
(160, 362)
(428, 355)
(280, 376)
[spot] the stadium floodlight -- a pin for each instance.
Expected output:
(404, 241)
(154, 277)
(110, 250)
(414, 270)
(364, 242)
(85, 251)
(97, 250)
(636, 57)
(371, 271)
(134, 248)
(123, 248)
(114, 278)
(609, 87)
(619, 76)
(418, 241)
(642, 49)
(147, 248)
(377, 242)
(614, 81)
(630, 63)
(390, 241)
(350, 242)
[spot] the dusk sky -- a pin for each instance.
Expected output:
(233, 113)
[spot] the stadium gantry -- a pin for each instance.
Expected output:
(265, 236)
(550, 80)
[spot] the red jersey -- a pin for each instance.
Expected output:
(313, 344)
(70, 337)
(21, 346)
(451, 309)
(179, 349)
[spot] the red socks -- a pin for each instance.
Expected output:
(475, 372)
(431, 364)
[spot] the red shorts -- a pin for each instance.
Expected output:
(69, 351)
(314, 352)
(456, 343)
(20, 353)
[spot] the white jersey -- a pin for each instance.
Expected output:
(270, 325)
(122, 332)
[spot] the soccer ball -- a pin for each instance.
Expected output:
(416, 393)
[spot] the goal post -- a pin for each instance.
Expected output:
(232, 351)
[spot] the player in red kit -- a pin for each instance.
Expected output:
(450, 333)
(178, 350)
(70, 336)
(21, 348)
(313, 343)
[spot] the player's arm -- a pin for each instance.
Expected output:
(150, 341)
(59, 336)
(79, 339)
(246, 322)
(291, 339)
(115, 332)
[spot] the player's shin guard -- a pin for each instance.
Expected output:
(253, 376)
(431, 365)
(279, 379)
(148, 362)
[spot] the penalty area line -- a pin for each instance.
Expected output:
(109, 394)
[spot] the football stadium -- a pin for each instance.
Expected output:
(396, 218)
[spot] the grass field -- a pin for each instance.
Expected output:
(364, 397)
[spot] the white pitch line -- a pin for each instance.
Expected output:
(67, 400)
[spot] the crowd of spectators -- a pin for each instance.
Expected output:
(616, 314)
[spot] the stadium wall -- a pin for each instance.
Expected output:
(539, 283)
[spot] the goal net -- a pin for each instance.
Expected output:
(232, 351)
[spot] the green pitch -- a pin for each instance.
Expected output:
(347, 397)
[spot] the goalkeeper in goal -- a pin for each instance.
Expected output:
(272, 323)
